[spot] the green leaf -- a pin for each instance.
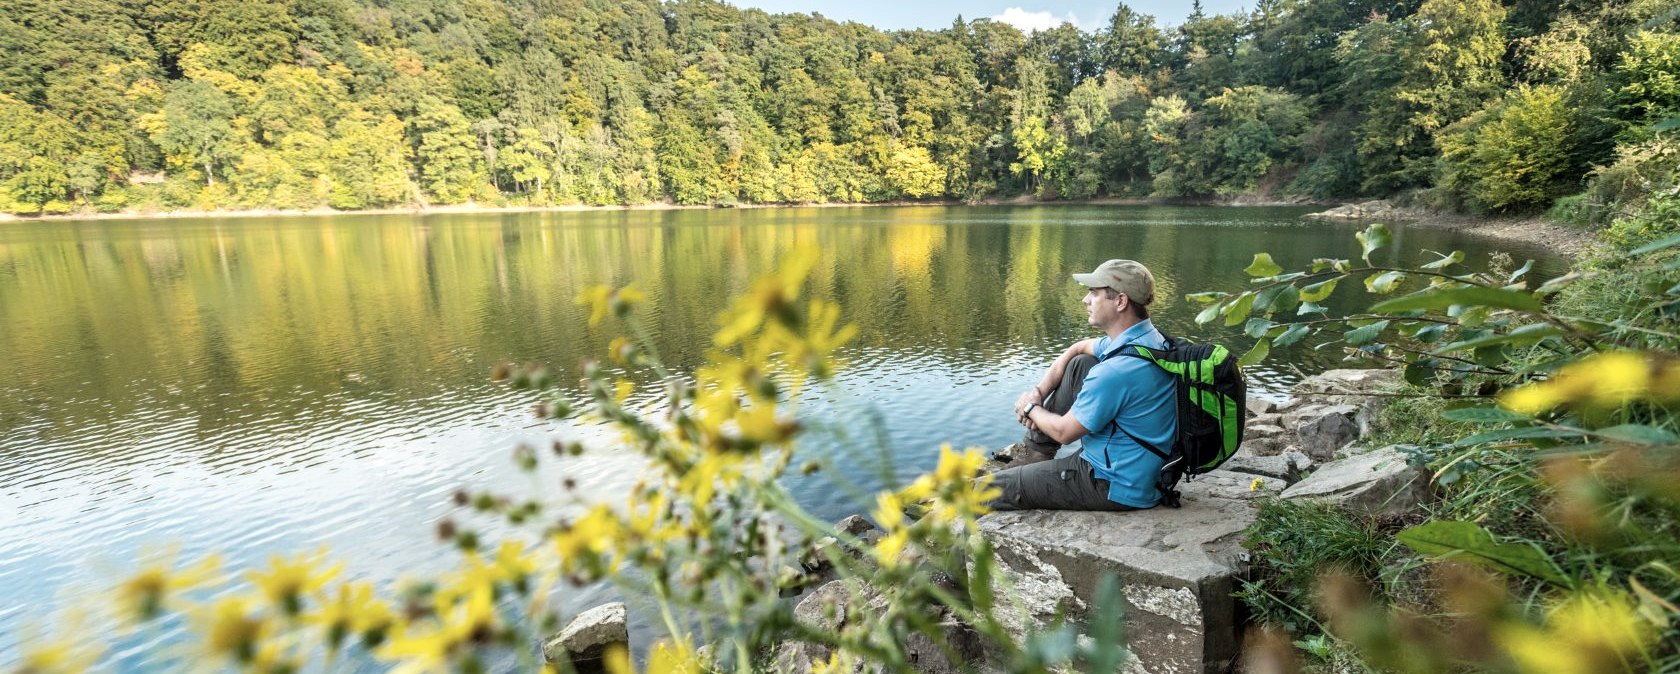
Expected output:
(1471, 317)
(1277, 298)
(1310, 308)
(1257, 327)
(1430, 333)
(1294, 334)
(1524, 433)
(1374, 237)
(1659, 244)
(1261, 349)
(1523, 336)
(1518, 274)
(1469, 542)
(1239, 309)
(1365, 335)
(1420, 372)
(1384, 283)
(1317, 292)
(1263, 266)
(1209, 313)
(1558, 283)
(1207, 297)
(1671, 123)
(1456, 257)
(1482, 415)
(1467, 295)
(1639, 434)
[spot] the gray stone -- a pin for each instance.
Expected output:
(1352, 387)
(1259, 406)
(853, 525)
(1280, 467)
(1286, 404)
(1326, 430)
(1300, 460)
(1261, 430)
(1261, 446)
(839, 603)
(1379, 482)
(1273, 419)
(1177, 569)
(588, 635)
(1334, 382)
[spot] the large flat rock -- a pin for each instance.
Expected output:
(1177, 568)
(1379, 482)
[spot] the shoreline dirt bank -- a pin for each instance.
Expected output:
(1563, 239)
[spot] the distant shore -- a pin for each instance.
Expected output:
(1537, 230)
(137, 214)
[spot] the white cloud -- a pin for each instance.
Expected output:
(1032, 21)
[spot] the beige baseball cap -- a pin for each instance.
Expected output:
(1126, 276)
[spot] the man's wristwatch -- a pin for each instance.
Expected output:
(1028, 412)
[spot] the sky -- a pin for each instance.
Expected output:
(1025, 14)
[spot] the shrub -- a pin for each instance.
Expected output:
(1512, 155)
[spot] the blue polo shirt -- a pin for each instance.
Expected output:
(1137, 395)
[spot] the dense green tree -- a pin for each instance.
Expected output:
(1512, 154)
(1448, 64)
(195, 128)
(366, 103)
(1132, 44)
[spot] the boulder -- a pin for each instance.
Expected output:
(1352, 387)
(1259, 406)
(1323, 430)
(1378, 482)
(1280, 467)
(1261, 430)
(1261, 446)
(842, 602)
(588, 635)
(1177, 569)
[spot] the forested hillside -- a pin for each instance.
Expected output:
(114, 104)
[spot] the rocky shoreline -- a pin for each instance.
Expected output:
(1536, 230)
(1178, 568)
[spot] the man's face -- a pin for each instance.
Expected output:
(1102, 306)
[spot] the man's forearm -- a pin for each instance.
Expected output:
(1053, 377)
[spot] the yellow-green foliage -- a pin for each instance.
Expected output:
(1513, 154)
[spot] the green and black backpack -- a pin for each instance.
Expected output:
(1212, 397)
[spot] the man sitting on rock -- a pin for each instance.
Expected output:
(1110, 400)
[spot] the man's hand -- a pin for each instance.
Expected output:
(1029, 397)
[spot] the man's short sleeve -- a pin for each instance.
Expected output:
(1099, 401)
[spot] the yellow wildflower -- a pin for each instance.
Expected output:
(593, 535)
(673, 658)
(769, 297)
(287, 581)
(1256, 484)
(142, 595)
(353, 611)
(231, 630)
(603, 300)
(1605, 380)
(62, 654)
(616, 660)
(1591, 631)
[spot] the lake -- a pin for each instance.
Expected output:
(264, 385)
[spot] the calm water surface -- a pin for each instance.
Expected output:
(255, 386)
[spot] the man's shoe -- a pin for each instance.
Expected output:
(1021, 453)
